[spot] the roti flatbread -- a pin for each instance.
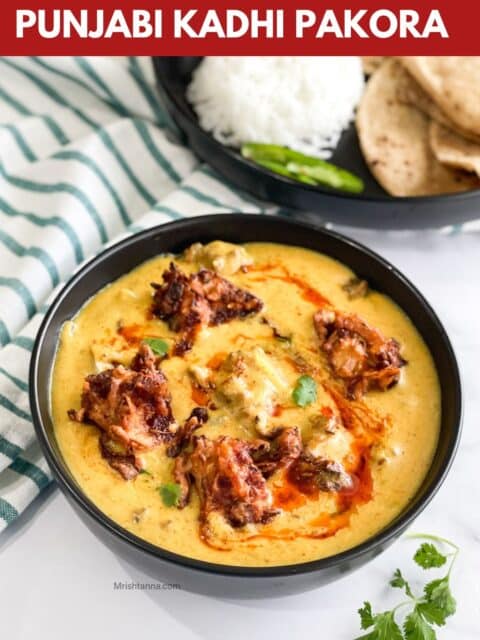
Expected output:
(394, 138)
(410, 92)
(371, 63)
(453, 83)
(454, 150)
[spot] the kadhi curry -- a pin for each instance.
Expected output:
(249, 405)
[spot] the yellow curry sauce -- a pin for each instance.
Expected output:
(388, 438)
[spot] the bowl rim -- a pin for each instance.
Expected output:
(74, 491)
(236, 156)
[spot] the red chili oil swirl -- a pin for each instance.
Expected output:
(309, 293)
(133, 334)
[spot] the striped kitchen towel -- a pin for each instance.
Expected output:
(86, 157)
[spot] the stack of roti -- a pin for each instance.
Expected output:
(419, 124)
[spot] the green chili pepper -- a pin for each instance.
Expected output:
(299, 166)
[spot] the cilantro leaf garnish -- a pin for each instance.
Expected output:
(366, 615)
(170, 493)
(384, 626)
(428, 556)
(399, 582)
(427, 611)
(416, 627)
(440, 603)
(157, 345)
(305, 391)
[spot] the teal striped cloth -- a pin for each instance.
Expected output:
(86, 157)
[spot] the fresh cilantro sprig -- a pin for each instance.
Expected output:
(430, 609)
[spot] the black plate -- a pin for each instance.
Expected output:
(374, 208)
(202, 576)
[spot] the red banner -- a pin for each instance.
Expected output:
(238, 28)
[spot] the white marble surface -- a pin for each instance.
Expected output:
(56, 579)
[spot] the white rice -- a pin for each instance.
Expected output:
(302, 103)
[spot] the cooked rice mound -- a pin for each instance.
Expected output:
(304, 103)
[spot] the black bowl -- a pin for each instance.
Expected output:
(222, 579)
(373, 208)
